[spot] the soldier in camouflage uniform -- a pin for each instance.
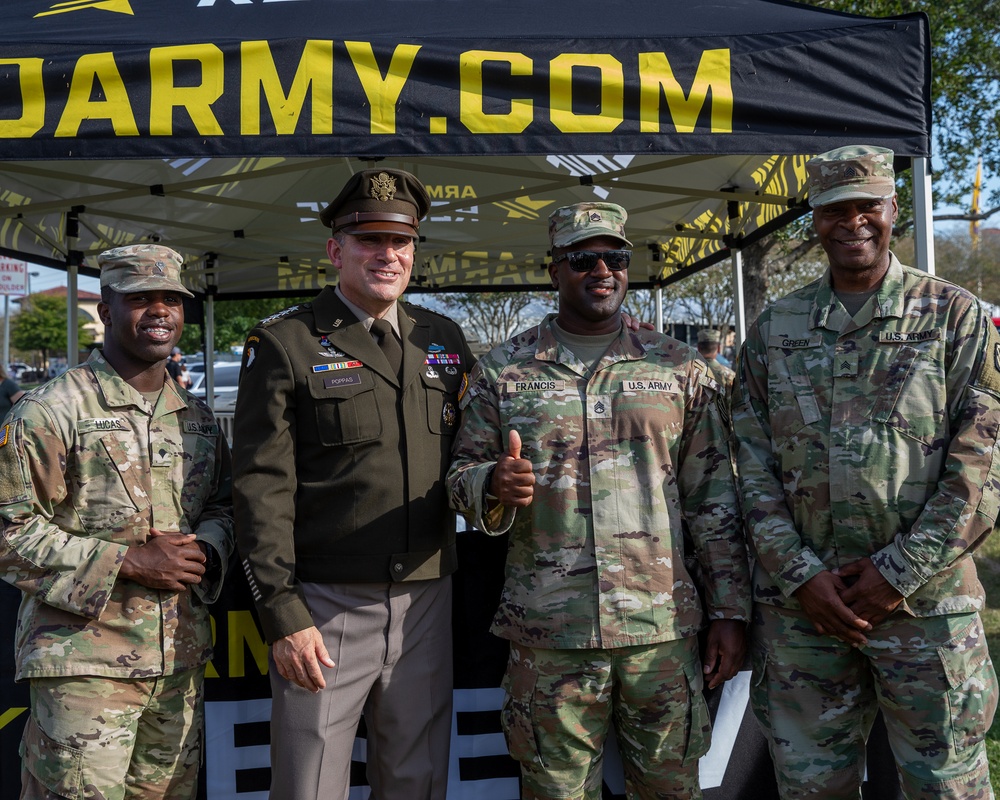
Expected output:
(867, 420)
(709, 341)
(594, 445)
(114, 497)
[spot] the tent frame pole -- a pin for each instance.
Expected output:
(923, 214)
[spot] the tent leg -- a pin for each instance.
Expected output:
(739, 297)
(923, 214)
(658, 294)
(73, 306)
(210, 350)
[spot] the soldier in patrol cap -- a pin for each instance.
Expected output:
(115, 489)
(867, 418)
(709, 345)
(345, 417)
(595, 446)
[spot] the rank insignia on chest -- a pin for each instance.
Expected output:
(449, 414)
(443, 358)
(598, 408)
(337, 365)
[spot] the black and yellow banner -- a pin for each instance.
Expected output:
(137, 78)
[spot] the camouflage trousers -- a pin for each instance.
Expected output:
(561, 704)
(816, 699)
(98, 738)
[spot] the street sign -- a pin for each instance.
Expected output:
(13, 277)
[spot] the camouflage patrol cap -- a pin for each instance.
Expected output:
(575, 223)
(379, 201)
(709, 336)
(855, 172)
(142, 267)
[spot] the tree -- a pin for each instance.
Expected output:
(965, 94)
(233, 321)
(965, 86)
(41, 325)
(492, 317)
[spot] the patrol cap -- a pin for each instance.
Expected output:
(575, 223)
(709, 336)
(379, 201)
(855, 172)
(142, 267)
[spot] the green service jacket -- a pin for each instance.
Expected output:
(339, 466)
(87, 467)
(872, 437)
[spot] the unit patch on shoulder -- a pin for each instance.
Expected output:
(989, 373)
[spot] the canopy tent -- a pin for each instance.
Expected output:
(221, 128)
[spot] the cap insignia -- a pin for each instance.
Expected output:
(595, 216)
(383, 187)
(850, 172)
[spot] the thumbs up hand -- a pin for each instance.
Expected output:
(513, 482)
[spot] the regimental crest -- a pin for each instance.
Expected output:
(383, 187)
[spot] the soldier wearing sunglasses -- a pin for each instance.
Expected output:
(594, 445)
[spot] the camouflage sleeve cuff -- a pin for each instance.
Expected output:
(218, 536)
(797, 571)
(493, 521)
(892, 562)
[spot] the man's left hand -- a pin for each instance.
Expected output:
(871, 597)
(724, 651)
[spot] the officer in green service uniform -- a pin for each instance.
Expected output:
(867, 419)
(596, 446)
(115, 503)
(347, 409)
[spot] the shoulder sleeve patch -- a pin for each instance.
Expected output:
(15, 486)
(989, 375)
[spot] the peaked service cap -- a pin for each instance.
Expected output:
(379, 201)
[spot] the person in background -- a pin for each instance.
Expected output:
(596, 446)
(344, 422)
(709, 340)
(867, 421)
(177, 370)
(115, 506)
(10, 393)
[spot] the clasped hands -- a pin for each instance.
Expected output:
(848, 610)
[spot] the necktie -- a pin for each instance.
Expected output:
(388, 343)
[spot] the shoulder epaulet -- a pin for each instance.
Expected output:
(285, 312)
(408, 307)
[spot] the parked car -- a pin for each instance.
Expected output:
(15, 368)
(226, 376)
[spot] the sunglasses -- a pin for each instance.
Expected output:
(586, 260)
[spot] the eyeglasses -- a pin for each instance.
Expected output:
(586, 260)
